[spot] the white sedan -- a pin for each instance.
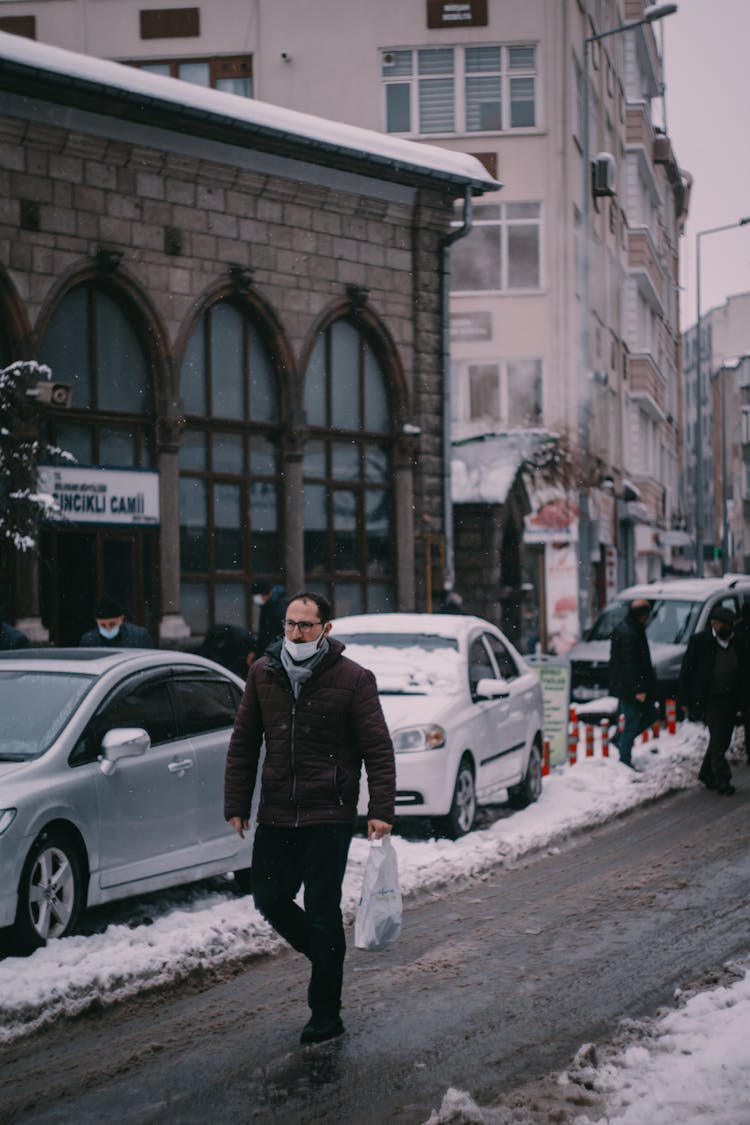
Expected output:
(463, 707)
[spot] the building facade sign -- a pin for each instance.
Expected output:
(448, 13)
(471, 326)
(91, 495)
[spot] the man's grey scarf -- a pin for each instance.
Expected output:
(299, 673)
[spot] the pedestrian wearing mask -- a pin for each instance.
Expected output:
(321, 718)
(631, 676)
(712, 686)
(112, 630)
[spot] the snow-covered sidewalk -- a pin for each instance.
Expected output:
(689, 1065)
(183, 932)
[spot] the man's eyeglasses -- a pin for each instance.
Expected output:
(303, 626)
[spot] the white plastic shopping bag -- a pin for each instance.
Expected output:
(379, 914)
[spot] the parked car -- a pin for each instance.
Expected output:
(679, 608)
(111, 779)
(463, 707)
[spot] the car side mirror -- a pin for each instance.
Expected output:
(492, 689)
(122, 742)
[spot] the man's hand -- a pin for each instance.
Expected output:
(240, 824)
(377, 829)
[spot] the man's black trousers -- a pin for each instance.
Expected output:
(284, 859)
(721, 715)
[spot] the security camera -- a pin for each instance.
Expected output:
(285, 57)
(52, 394)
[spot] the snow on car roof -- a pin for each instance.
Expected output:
(94, 661)
(437, 624)
(695, 589)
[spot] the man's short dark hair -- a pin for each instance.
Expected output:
(108, 607)
(324, 606)
(261, 587)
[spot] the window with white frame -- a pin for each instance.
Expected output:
(479, 89)
(502, 250)
(505, 392)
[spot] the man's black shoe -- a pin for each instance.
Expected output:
(319, 1028)
(707, 781)
(726, 790)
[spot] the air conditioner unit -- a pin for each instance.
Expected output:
(603, 174)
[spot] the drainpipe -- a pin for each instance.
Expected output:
(445, 294)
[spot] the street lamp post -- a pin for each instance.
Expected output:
(699, 487)
(656, 12)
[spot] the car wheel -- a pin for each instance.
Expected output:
(530, 788)
(50, 892)
(243, 881)
(463, 811)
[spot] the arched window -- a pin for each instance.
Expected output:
(348, 522)
(91, 343)
(229, 468)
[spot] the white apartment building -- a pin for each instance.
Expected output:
(503, 81)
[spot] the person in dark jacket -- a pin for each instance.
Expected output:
(230, 645)
(112, 630)
(11, 638)
(272, 602)
(631, 676)
(712, 687)
(321, 718)
(742, 635)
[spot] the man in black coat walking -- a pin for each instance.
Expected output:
(713, 683)
(631, 676)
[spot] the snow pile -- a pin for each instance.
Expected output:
(203, 929)
(691, 1065)
(687, 1066)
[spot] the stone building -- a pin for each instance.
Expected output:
(246, 302)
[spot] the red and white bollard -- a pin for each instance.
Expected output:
(573, 719)
(671, 713)
(545, 758)
(604, 728)
(589, 740)
(572, 744)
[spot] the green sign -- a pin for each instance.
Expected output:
(555, 681)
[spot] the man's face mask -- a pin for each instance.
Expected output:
(723, 631)
(109, 634)
(302, 650)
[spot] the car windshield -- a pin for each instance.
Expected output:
(407, 663)
(34, 708)
(671, 622)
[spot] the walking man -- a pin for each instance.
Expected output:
(321, 718)
(712, 688)
(631, 676)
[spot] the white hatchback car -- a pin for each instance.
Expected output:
(463, 707)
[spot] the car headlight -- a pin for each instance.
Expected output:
(7, 816)
(429, 737)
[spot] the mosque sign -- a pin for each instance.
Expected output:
(85, 494)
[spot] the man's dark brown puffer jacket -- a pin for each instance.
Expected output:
(314, 747)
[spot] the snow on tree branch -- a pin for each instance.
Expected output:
(22, 506)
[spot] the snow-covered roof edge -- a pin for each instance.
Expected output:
(18, 53)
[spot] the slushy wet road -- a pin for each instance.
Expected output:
(490, 985)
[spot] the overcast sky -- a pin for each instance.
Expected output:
(707, 76)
